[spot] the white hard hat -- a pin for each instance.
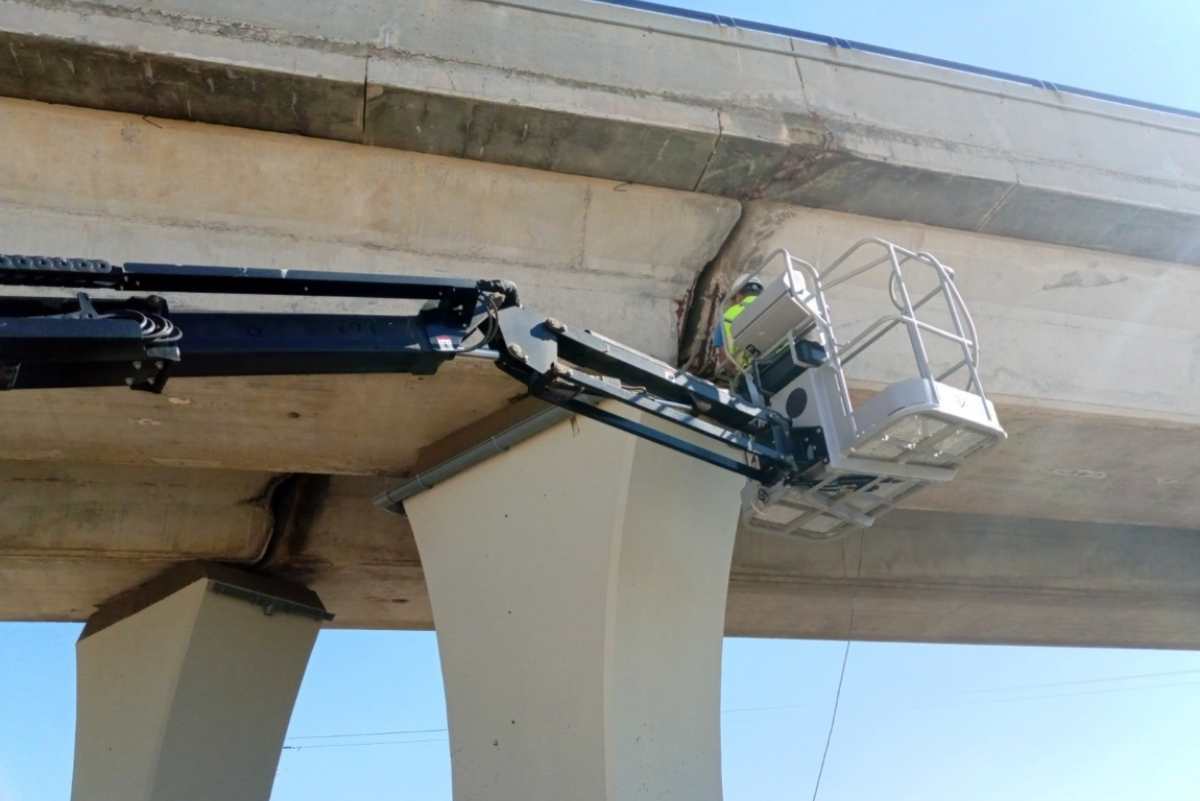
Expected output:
(746, 282)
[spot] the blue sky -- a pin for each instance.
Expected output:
(920, 722)
(916, 721)
(1143, 50)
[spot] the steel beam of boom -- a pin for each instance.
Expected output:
(139, 342)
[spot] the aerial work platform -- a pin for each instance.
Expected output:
(815, 460)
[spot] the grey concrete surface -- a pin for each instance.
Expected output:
(584, 88)
(1076, 329)
(1092, 354)
(572, 685)
(189, 695)
(919, 576)
(120, 187)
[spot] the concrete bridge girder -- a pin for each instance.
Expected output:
(1088, 447)
(620, 196)
(577, 87)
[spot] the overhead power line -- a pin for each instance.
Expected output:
(837, 697)
(362, 745)
(1074, 682)
(366, 734)
(1101, 691)
(399, 732)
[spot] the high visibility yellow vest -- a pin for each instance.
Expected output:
(731, 314)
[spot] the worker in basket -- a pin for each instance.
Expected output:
(745, 290)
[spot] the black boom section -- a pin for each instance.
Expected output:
(41, 353)
(80, 341)
(292, 344)
(139, 342)
(157, 277)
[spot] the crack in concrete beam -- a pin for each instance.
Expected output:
(712, 153)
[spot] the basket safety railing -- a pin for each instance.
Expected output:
(962, 332)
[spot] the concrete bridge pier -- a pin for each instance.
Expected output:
(578, 587)
(186, 685)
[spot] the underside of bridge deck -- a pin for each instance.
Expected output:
(1081, 528)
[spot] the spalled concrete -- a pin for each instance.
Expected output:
(580, 87)
(1074, 329)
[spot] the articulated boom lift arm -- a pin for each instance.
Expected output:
(814, 462)
(140, 342)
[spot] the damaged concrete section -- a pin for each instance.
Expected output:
(1065, 327)
(601, 91)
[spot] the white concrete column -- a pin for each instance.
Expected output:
(578, 585)
(186, 685)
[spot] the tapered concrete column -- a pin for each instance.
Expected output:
(578, 586)
(186, 685)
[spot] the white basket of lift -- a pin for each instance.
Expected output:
(915, 432)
